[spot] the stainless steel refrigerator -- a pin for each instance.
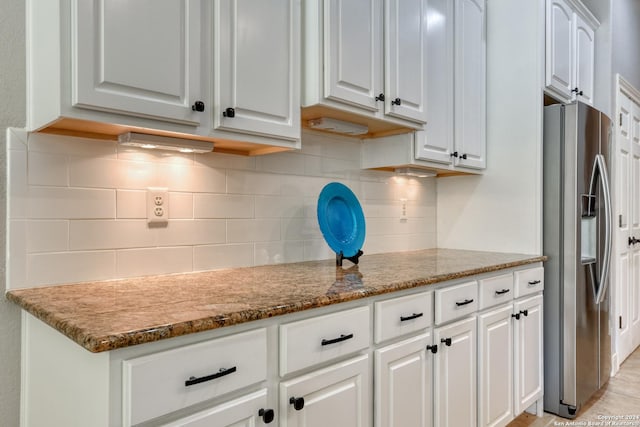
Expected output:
(577, 233)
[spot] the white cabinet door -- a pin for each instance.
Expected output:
(436, 142)
(352, 52)
(256, 67)
(405, 59)
(584, 50)
(141, 58)
(455, 374)
(242, 412)
(335, 396)
(495, 367)
(403, 385)
(559, 41)
(528, 352)
(470, 83)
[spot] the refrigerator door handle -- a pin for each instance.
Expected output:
(600, 169)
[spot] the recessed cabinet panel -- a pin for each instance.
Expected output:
(559, 47)
(470, 88)
(130, 61)
(352, 51)
(585, 58)
(405, 62)
(256, 72)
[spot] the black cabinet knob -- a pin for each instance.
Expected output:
(267, 415)
(297, 402)
(380, 97)
(464, 156)
(517, 316)
(198, 106)
(454, 154)
(396, 101)
(229, 112)
(577, 91)
(446, 341)
(525, 312)
(432, 348)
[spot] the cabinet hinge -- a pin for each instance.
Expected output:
(619, 221)
(620, 322)
(620, 119)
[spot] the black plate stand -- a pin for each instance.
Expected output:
(354, 259)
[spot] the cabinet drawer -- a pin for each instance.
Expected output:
(456, 301)
(529, 281)
(398, 316)
(160, 383)
(316, 340)
(495, 290)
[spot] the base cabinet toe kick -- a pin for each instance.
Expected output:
(463, 352)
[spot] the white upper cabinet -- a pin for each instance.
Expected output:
(366, 60)
(138, 63)
(256, 67)
(470, 84)
(570, 50)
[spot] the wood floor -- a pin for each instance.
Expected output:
(620, 397)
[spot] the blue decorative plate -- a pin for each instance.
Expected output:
(341, 219)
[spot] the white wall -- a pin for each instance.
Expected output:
(12, 113)
(77, 208)
(501, 210)
(625, 17)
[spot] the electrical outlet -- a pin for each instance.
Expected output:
(403, 211)
(157, 205)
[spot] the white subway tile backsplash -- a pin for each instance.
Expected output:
(47, 236)
(110, 234)
(222, 256)
(69, 267)
(151, 261)
(77, 208)
(181, 205)
(47, 169)
(131, 204)
(181, 232)
(70, 203)
(253, 230)
(242, 182)
(223, 206)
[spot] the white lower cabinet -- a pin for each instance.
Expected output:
(246, 411)
(403, 383)
(455, 374)
(528, 378)
(335, 396)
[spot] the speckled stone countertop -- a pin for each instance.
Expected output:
(102, 316)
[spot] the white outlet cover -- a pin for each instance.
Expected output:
(157, 205)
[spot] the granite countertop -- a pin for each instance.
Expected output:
(107, 315)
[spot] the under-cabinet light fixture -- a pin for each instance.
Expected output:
(416, 172)
(338, 126)
(143, 140)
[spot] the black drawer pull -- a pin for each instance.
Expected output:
(533, 282)
(221, 373)
(433, 348)
(297, 402)
(525, 312)
(446, 341)
(504, 291)
(465, 302)
(267, 415)
(413, 316)
(336, 340)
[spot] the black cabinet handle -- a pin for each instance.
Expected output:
(433, 348)
(465, 302)
(198, 106)
(517, 316)
(633, 240)
(464, 157)
(446, 341)
(396, 101)
(525, 312)
(577, 91)
(221, 373)
(229, 112)
(267, 415)
(533, 282)
(297, 402)
(454, 154)
(336, 340)
(503, 291)
(413, 316)
(380, 97)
